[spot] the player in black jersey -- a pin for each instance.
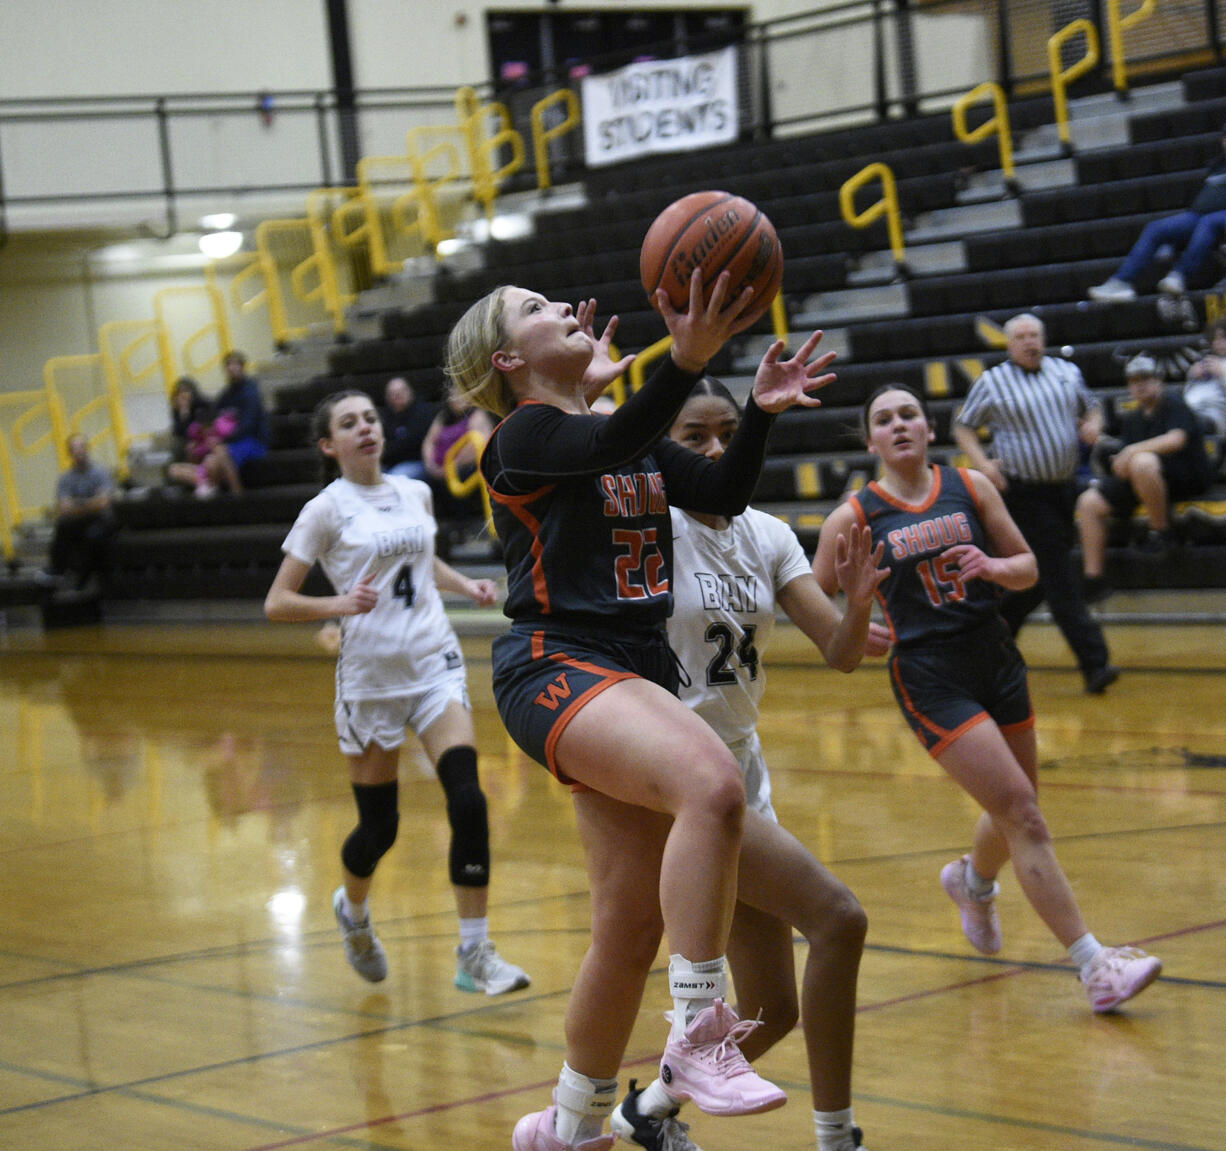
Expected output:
(960, 680)
(585, 678)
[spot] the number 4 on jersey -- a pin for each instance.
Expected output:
(403, 587)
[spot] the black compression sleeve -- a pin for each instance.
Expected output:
(539, 443)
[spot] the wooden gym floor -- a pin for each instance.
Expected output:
(172, 804)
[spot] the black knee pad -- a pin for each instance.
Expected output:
(378, 819)
(469, 858)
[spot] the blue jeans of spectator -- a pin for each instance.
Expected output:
(1197, 234)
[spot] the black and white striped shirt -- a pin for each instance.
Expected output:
(1033, 417)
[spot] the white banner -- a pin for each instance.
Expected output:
(660, 106)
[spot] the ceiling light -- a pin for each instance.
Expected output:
(219, 245)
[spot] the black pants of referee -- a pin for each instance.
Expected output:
(1044, 514)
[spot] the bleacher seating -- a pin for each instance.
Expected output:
(1070, 238)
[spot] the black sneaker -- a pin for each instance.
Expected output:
(1101, 678)
(666, 1134)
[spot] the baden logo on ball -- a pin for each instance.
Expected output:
(713, 231)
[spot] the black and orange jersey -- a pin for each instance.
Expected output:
(924, 597)
(580, 502)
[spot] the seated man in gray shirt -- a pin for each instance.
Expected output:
(84, 521)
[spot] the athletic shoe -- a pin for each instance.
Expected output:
(665, 1134)
(707, 1066)
(1172, 284)
(1101, 678)
(481, 968)
(362, 947)
(535, 1133)
(980, 923)
(1113, 291)
(1116, 974)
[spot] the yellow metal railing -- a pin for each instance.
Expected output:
(1061, 78)
(15, 443)
(541, 136)
(887, 206)
(120, 375)
(482, 144)
(217, 329)
(998, 124)
(422, 157)
(462, 488)
(1117, 25)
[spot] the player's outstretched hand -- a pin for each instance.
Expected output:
(603, 369)
(780, 384)
(702, 329)
(857, 564)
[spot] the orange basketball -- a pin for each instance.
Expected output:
(713, 231)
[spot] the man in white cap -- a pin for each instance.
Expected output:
(1162, 457)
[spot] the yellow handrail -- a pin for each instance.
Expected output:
(253, 270)
(651, 353)
(887, 206)
(1062, 78)
(278, 319)
(461, 488)
(426, 188)
(541, 136)
(219, 326)
(12, 511)
(1116, 26)
(118, 373)
(472, 114)
(998, 124)
(55, 405)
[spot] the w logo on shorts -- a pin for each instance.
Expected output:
(553, 695)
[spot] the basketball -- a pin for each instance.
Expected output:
(713, 231)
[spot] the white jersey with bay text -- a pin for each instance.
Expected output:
(352, 530)
(724, 586)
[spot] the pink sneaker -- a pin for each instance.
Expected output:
(980, 923)
(535, 1133)
(1116, 974)
(707, 1066)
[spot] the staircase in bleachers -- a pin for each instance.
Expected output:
(1052, 243)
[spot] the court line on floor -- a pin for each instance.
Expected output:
(1012, 968)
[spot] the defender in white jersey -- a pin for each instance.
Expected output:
(729, 575)
(399, 665)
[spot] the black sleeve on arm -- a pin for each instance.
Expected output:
(539, 443)
(723, 487)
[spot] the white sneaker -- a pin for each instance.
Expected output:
(980, 922)
(1113, 290)
(1116, 974)
(362, 947)
(1172, 284)
(481, 968)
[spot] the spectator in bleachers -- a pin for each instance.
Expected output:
(1160, 456)
(406, 420)
(244, 435)
(84, 520)
(1198, 231)
(1040, 411)
(453, 420)
(1205, 390)
(192, 435)
(188, 406)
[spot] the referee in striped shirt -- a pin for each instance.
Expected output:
(1039, 412)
